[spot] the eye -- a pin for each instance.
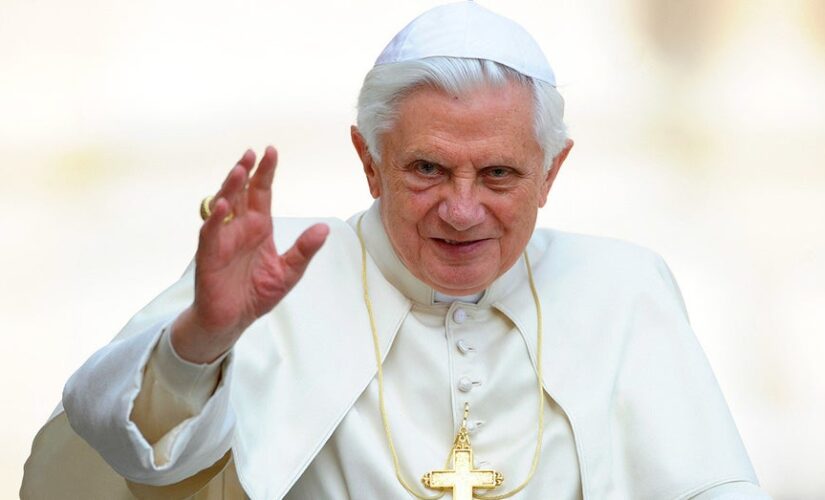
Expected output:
(499, 172)
(426, 168)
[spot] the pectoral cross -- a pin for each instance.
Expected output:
(463, 478)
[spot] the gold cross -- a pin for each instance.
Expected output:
(463, 477)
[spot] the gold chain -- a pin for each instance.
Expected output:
(380, 376)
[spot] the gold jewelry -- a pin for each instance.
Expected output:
(206, 209)
(382, 406)
(463, 478)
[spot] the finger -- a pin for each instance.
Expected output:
(247, 160)
(260, 185)
(209, 242)
(306, 246)
(233, 189)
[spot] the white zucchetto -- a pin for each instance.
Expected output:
(466, 29)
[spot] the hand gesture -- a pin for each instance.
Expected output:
(239, 275)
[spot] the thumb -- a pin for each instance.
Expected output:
(305, 247)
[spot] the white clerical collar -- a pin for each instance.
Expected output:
(382, 252)
(449, 299)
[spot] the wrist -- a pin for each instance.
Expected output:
(194, 343)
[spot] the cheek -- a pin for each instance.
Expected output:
(417, 207)
(516, 207)
(516, 216)
(406, 213)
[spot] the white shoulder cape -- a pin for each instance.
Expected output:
(620, 359)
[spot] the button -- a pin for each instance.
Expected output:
(464, 347)
(472, 427)
(459, 315)
(465, 384)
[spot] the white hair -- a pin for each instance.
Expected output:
(387, 84)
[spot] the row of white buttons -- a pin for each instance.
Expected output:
(465, 384)
(460, 316)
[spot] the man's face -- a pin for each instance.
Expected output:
(460, 182)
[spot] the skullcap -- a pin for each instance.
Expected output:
(466, 29)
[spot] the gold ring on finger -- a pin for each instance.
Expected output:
(206, 209)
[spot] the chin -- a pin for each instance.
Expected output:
(451, 284)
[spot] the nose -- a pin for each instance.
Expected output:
(461, 208)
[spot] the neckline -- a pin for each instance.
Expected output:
(443, 298)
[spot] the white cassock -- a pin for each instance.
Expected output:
(632, 410)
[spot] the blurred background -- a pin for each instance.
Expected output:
(699, 128)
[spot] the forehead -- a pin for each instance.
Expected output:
(481, 124)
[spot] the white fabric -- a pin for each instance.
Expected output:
(185, 378)
(172, 391)
(736, 490)
(647, 419)
(470, 299)
(99, 399)
(423, 374)
(466, 29)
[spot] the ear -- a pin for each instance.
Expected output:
(370, 168)
(553, 171)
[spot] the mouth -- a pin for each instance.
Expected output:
(459, 246)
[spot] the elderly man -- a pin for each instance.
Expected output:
(436, 343)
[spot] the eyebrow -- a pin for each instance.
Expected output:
(418, 154)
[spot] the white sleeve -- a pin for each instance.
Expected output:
(100, 397)
(173, 391)
(736, 490)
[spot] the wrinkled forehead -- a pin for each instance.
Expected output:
(499, 102)
(482, 125)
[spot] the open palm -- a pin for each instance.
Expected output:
(239, 275)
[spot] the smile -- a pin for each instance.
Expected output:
(455, 247)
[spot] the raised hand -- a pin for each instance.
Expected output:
(239, 275)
